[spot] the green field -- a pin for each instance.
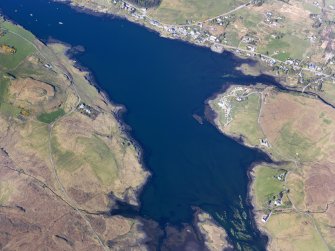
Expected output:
(6, 108)
(19, 38)
(294, 145)
(290, 46)
(49, 117)
(5, 192)
(64, 159)
(100, 157)
(179, 11)
(94, 152)
(295, 232)
(4, 83)
(244, 116)
(266, 185)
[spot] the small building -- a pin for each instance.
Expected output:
(88, 111)
(266, 217)
(264, 142)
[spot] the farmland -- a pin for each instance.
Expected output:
(293, 197)
(66, 162)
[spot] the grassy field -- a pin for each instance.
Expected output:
(5, 192)
(179, 11)
(244, 116)
(267, 186)
(17, 37)
(290, 46)
(300, 131)
(294, 145)
(6, 108)
(100, 157)
(65, 159)
(49, 117)
(294, 232)
(297, 192)
(4, 83)
(90, 151)
(35, 136)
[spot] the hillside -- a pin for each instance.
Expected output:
(64, 157)
(293, 197)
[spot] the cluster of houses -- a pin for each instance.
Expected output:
(198, 33)
(272, 19)
(88, 110)
(317, 20)
(276, 201)
(224, 20)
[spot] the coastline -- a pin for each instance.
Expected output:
(118, 113)
(279, 190)
(257, 213)
(250, 200)
(69, 189)
(120, 110)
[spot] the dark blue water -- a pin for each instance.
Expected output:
(162, 83)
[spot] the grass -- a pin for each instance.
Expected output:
(6, 108)
(290, 46)
(245, 116)
(23, 48)
(232, 38)
(312, 8)
(294, 232)
(66, 160)
(266, 185)
(49, 117)
(5, 192)
(35, 136)
(250, 19)
(9, 110)
(282, 56)
(328, 92)
(294, 145)
(93, 151)
(296, 185)
(4, 84)
(100, 157)
(178, 11)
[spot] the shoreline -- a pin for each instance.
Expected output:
(249, 171)
(120, 110)
(77, 79)
(218, 119)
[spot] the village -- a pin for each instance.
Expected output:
(204, 34)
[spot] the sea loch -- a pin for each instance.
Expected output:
(162, 83)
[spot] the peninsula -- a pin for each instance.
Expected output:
(293, 196)
(64, 156)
